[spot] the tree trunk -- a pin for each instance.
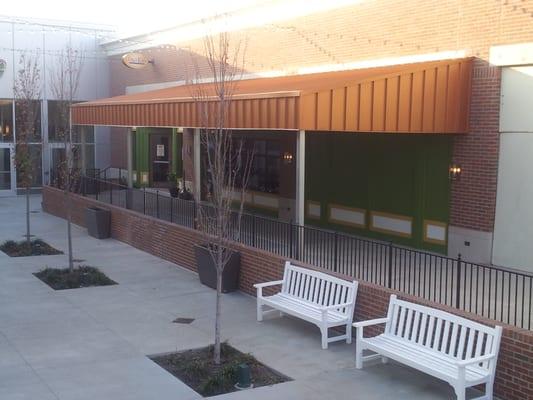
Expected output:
(67, 201)
(69, 233)
(28, 235)
(216, 352)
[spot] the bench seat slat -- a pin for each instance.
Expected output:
(439, 366)
(309, 310)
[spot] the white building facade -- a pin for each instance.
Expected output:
(513, 230)
(45, 40)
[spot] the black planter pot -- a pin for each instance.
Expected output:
(173, 191)
(208, 273)
(98, 222)
(185, 195)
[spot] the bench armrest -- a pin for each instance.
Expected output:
(260, 286)
(265, 284)
(370, 322)
(476, 360)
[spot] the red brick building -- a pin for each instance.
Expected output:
(373, 34)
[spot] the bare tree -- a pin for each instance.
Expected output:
(227, 164)
(64, 83)
(27, 91)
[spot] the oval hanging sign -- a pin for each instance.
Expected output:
(135, 60)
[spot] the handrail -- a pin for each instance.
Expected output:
(494, 292)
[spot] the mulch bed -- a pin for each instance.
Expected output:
(20, 249)
(197, 370)
(78, 277)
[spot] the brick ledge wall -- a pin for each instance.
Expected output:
(514, 378)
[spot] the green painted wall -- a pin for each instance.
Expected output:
(399, 174)
(142, 151)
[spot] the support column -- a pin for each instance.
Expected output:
(129, 155)
(300, 178)
(196, 160)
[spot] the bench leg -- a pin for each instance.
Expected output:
(358, 355)
(324, 333)
(489, 388)
(259, 311)
(460, 392)
(349, 333)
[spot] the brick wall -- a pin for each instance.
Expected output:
(170, 63)
(473, 196)
(349, 34)
(514, 378)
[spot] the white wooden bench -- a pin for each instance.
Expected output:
(313, 296)
(459, 351)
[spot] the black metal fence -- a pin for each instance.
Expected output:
(496, 293)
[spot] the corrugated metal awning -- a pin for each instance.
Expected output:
(431, 97)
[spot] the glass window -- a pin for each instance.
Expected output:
(264, 175)
(83, 134)
(6, 121)
(58, 159)
(57, 123)
(265, 169)
(22, 109)
(89, 156)
(5, 169)
(78, 154)
(37, 170)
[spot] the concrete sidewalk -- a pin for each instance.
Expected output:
(92, 343)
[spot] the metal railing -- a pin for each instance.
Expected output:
(492, 292)
(119, 175)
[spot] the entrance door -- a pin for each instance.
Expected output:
(6, 171)
(159, 159)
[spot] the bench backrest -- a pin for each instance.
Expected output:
(442, 332)
(318, 288)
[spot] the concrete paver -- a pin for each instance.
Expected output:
(93, 343)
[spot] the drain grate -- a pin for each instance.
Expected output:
(181, 320)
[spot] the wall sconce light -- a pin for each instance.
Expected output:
(455, 172)
(4, 130)
(144, 178)
(287, 158)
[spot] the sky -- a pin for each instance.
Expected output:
(129, 17)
